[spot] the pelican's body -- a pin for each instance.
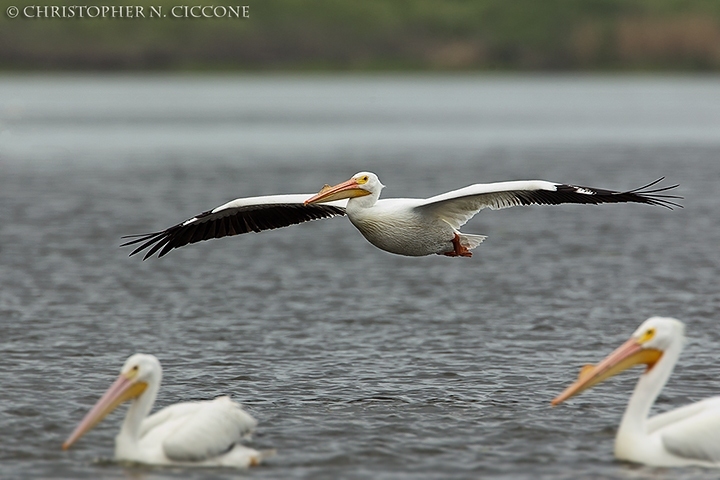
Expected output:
(397, 226)
(204, 433)
(689, 435)
(404, 226)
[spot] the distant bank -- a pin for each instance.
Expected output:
(367, 35)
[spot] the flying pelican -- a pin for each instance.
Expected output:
(404, 226)
(689, 435)
(205, 433)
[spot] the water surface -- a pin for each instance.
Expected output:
(357, 363)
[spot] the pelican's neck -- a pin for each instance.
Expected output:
(129, 435)
(366, 201)
(634, 422)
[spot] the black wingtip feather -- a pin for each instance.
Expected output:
(207, 225)
(644, 194)
(656, 196)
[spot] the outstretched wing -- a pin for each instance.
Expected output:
(242, 215)
(199, 431)
(459, 206)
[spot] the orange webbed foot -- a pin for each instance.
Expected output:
(459, 250)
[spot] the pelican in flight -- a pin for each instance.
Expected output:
(205, 433)
(689, 435)
(404, 226)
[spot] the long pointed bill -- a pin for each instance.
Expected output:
(348, 189)
(121, 390)
(625, 356)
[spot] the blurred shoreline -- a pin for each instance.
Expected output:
(377, 36)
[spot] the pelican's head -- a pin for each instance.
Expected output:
(360, 185)
(645, 346)
(136, 375)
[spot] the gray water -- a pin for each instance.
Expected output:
(357, 363)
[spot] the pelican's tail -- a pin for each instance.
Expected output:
(470, 241)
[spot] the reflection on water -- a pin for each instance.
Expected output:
(357, 363)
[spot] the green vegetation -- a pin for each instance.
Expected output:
(375, 35)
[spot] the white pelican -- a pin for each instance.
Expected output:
(405, 226)
(689, 435)
(205, 433)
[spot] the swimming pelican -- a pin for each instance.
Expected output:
(205, 433)
(404, 226)
(689, 435)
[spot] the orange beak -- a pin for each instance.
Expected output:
(121, 390)
(625, 356)
(348, 189)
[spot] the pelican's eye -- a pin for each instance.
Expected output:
(647, 335)
(362, 180)
(133, 372)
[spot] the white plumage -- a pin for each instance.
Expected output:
(689, 435)
(204, 433)
(404, 226)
